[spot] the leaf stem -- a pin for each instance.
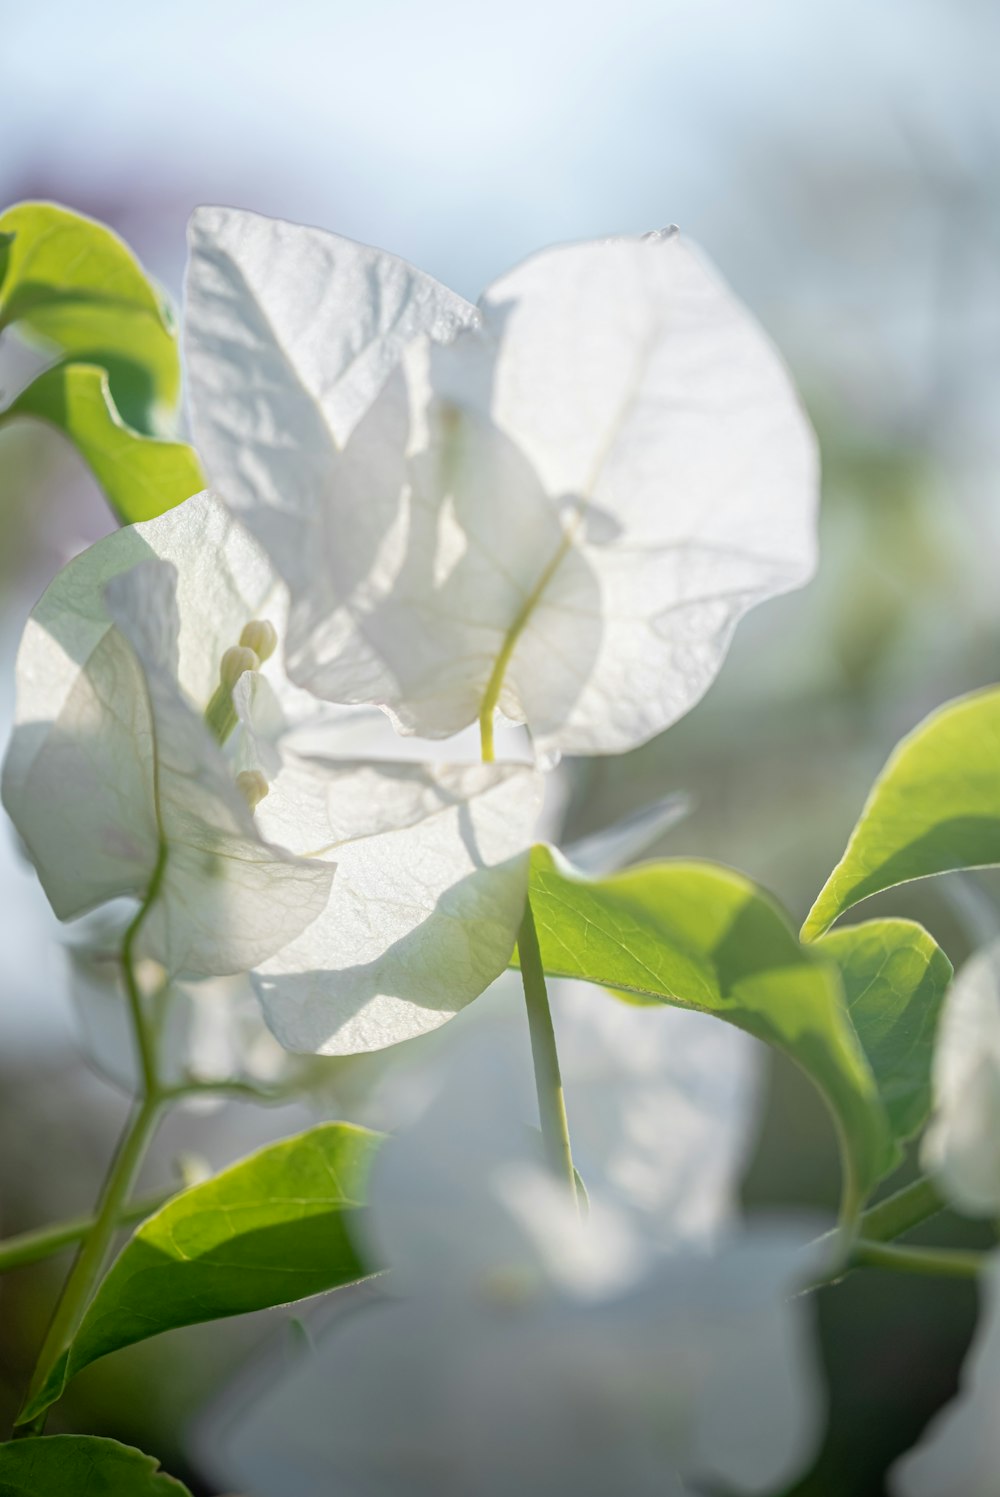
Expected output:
(544, 1054)
(88, 1266)
(876, 1229)
(144, 1039)
(901, 1212)
(548, 1081)
(938, 1262)
(86, 1271)
(43, 1242)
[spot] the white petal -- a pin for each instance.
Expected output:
(559, 1399)
(629, 839)
(290, 334)
(423, 564)
(597, 483)
(424, 910)
(109, 760)
(962, 1144)
(960, 1452)
(226, 900)
(638, 387)
(662, 1107)
(206, 1031)
(78, 781)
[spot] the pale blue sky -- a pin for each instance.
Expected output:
(465, 134)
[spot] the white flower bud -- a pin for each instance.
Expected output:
(260, 636)
(252, 786)
(236, 660)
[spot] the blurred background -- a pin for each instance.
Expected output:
(840, 163)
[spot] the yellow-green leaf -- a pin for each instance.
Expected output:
(72, 284)
(934, 808)
(703, 937)
(141, 476)
(895, 977)
(271, 1229)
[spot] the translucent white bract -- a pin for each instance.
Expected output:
(561, 505)
(520, 1348)
(960, 1451)
(395, 889)
(962, 1144)
(110, 762)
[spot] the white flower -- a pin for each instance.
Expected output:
(962, 1145)
(959, 1454)
(118, 786)
(558, 504)
(206, 1031)
(517, 1347)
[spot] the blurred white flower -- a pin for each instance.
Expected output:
(206, 1031)
(133, 666)
(962, 1145)
(558, 504)
(959, 1454)
(520, 1347)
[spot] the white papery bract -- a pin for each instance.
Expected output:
(432, 877)
(118, 788)
(525, 1348)
(962, 1145)
(959, 1454)
(110, 762)
(207, 1031)
(559, 504)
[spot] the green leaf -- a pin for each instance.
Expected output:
(703, 937)
(271, 1229)
(895, 977)
(71, 1465)
(935, 807)
(74, 284)
(141, 476)
(6, 240)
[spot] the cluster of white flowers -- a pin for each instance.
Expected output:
(557, 504)
(549, 510)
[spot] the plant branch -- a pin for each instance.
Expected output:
(901, 1212)
(955, 1263)
(88, 1267)
(43, 1242)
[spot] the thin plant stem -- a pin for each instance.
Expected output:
(88, 1267)
(85, 1275)
(880, 1225)
(901, 1212)
(544, 1054)
(44, 1242)
(144, 1040)
(952, 1263)
(548, 1081)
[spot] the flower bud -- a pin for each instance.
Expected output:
(252, 786)
(236, 660)
(261, 637)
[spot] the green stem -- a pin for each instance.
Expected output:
(86, 1271)
(238, 1091)
(878, 1226)
(901, 1212)
(548, 1081)
(43, 1242)
(938, 1262)
(89, 1264)
(144, 1039)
